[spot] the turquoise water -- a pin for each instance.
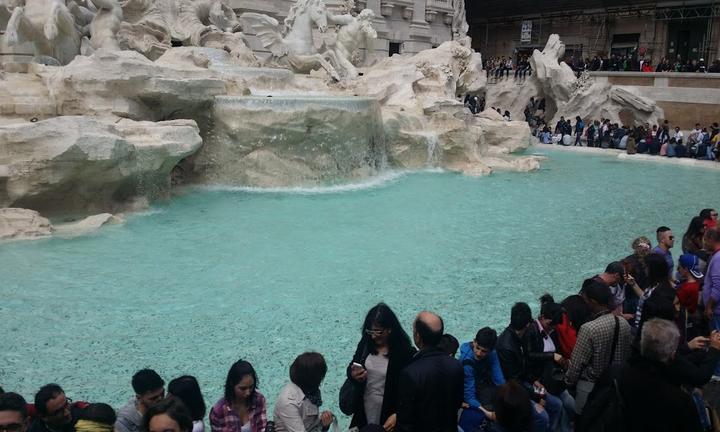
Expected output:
(215, 275)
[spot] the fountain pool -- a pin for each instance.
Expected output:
(226, 272)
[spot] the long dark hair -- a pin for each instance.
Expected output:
(237, 372)
(187, 389)
(382, 316)
(696, 229)
(657, 270)
(307, 372)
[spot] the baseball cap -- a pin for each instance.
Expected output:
(690, 262)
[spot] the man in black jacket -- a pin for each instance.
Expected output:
(431, 387)
(516, 364)
(652, 401)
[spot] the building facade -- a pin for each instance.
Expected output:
(403, 26)
(657, 30)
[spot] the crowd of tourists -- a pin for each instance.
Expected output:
(499, 67)
(699, 143)
(632, 350)
(637, 63)
(503, 67)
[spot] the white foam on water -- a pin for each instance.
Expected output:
(376, 182)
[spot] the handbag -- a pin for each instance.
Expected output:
(351, 391)
(349, 396)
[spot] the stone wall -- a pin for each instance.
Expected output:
(686, 98)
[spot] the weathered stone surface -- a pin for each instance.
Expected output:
(286, 141)
(126, 84)
(409, 81)
(18, 224)
(87, 225)
(83, 165)
(499, 136)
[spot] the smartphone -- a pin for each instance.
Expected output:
(357, 365)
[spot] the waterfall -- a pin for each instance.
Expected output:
(292, 141)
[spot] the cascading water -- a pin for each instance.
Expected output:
(432, 150)
(292, 140)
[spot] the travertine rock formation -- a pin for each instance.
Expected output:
(83, 165)
(288, 141)
(565, 96)
(126, 84)
(18, 223)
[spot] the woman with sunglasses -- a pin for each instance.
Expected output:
(243, 408)
(384, 350)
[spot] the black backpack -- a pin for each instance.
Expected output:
(603, 411)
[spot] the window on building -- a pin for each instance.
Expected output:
(394, 48)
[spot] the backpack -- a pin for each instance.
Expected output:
(604, 413)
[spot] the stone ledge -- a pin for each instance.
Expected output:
(621, 154)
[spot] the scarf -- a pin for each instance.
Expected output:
(314, 397)
(92, 426)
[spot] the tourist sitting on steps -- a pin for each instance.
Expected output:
(149, 389)
(514, 362)
(187, 389)
(243, 408)
(297, 407)
(646, 389)
(13, 413)
(55, 411)
(167, 415)
(97, 417)
(383, 351)
(483, 377)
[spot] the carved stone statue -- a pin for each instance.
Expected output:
(460, 25)
(151, 25)
(49, 26)
(105, 24)
(293, 47)
(355, 31)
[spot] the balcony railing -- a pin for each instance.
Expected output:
(440, 5)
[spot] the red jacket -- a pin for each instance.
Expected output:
(567, 337)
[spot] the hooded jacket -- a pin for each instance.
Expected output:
(479, 373)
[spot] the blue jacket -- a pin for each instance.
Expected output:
(490, 365)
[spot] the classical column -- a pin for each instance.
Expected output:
(419, 14)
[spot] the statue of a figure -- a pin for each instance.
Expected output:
(145, 28)
(460, 25)
(151, 25)
(50, 26)
(293, 47)
(355, 31)
(105, 24)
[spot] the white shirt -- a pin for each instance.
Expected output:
(548, 344)
(294, 413)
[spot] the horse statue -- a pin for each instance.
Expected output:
(293, 47)
(50, 26)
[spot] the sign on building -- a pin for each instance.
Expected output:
(526, 32)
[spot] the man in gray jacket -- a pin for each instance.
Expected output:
(149, 390)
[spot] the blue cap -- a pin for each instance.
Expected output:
(691, 263)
